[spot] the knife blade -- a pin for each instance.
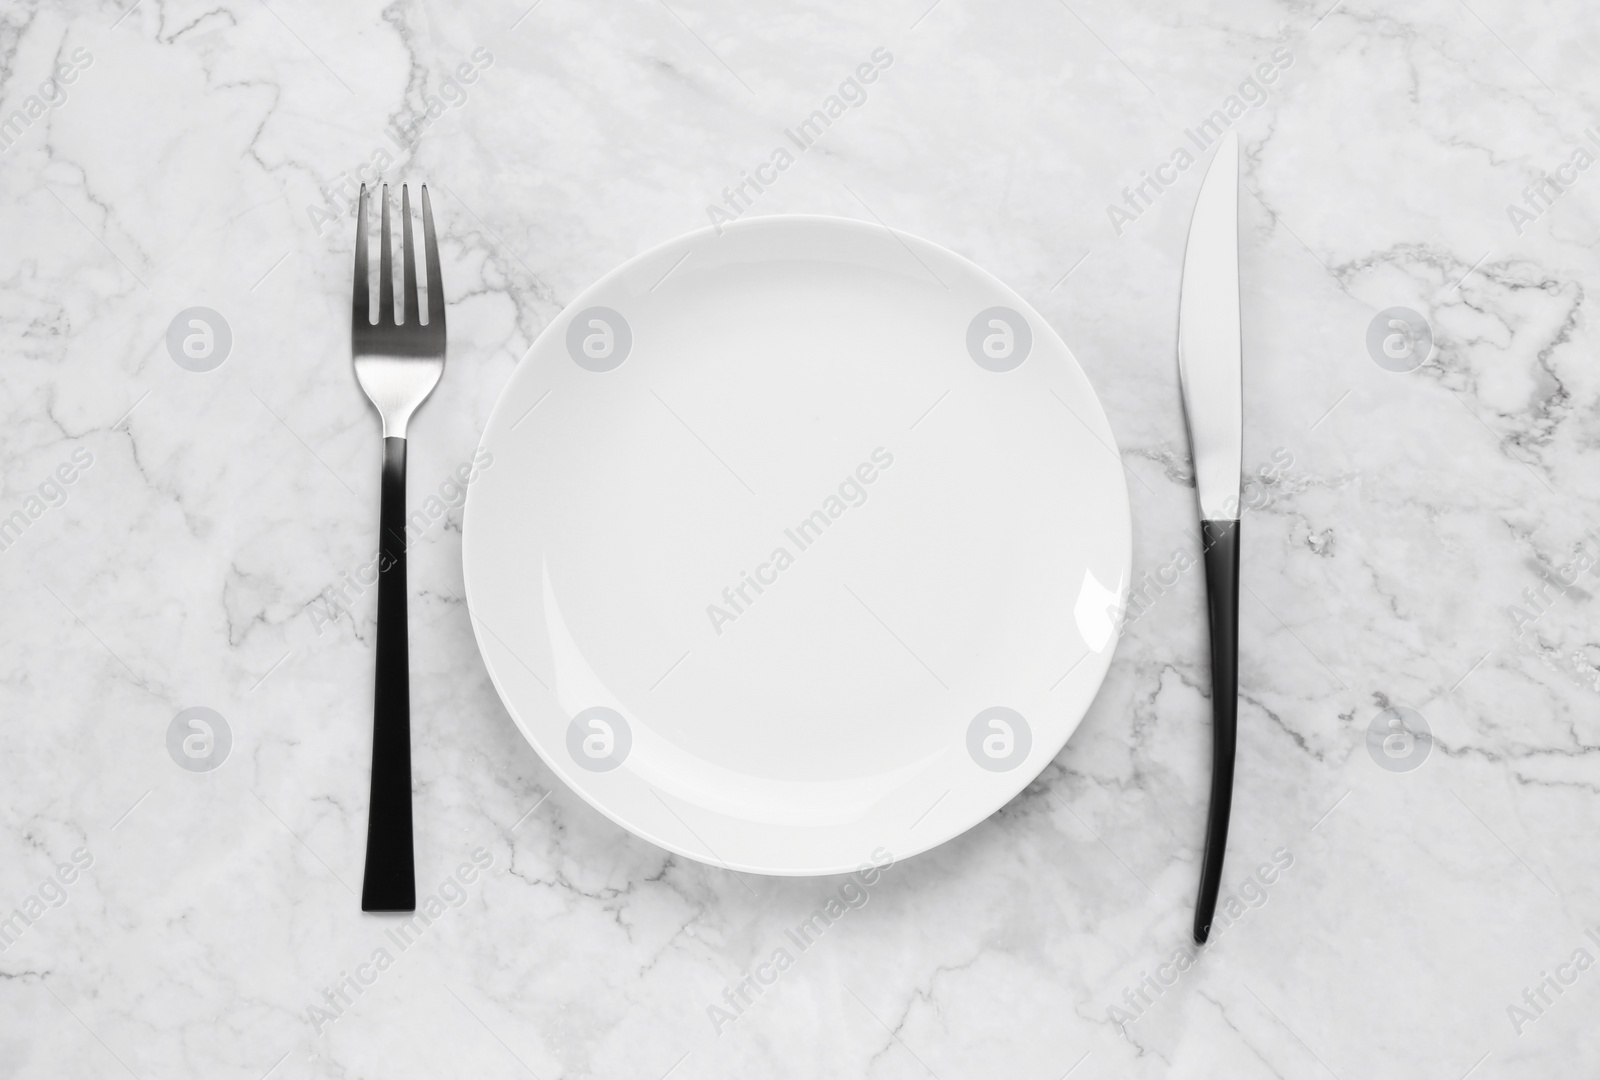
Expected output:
(1209, 363)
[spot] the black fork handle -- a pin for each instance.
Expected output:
(1222, 595)
(390, 882)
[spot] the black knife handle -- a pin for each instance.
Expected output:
(1222, 595)
(390, 880)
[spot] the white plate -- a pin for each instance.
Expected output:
(800, 546)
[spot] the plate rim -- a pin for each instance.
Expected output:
(1100, 661)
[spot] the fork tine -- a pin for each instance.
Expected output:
(386, 270)
(431, 253)
(361, 311)
(408, 257)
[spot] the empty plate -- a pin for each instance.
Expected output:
(800, 546)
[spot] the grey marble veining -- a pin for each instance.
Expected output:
(1424, 540)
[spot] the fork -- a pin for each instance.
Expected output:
(398, 364)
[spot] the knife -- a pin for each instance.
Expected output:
(1208, 368)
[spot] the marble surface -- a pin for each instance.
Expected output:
(1389, 923)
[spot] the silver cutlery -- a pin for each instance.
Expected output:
(398, 363)
(1209, 357)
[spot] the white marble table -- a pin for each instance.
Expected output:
(1389, 923)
